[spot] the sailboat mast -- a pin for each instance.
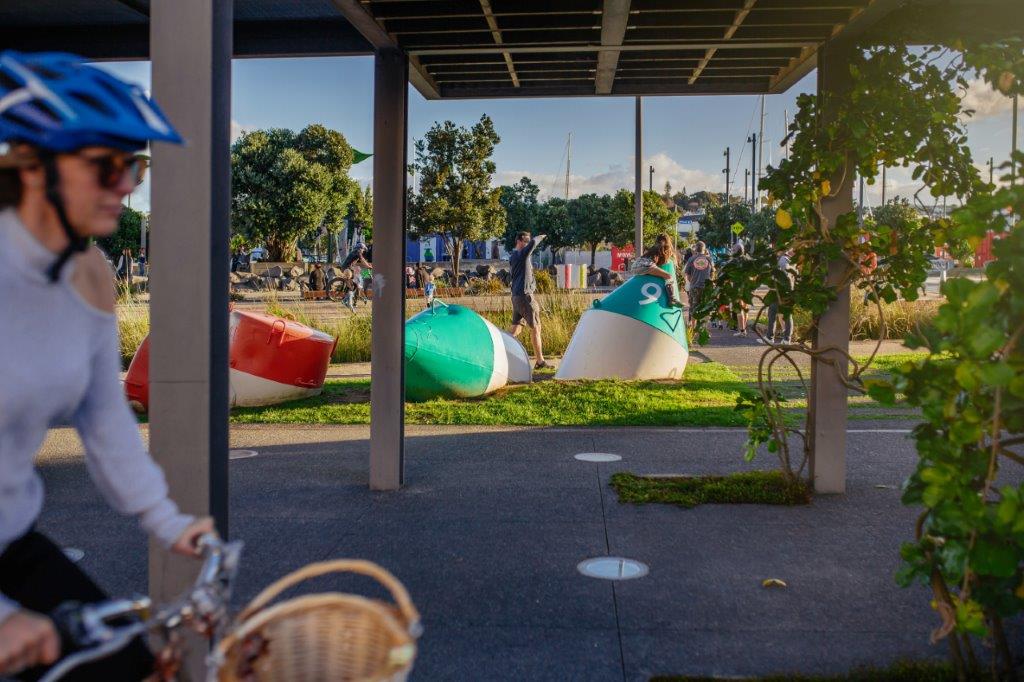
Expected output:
(568, 164)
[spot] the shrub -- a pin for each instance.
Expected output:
(545, 282)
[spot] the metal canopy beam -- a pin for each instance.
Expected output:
(485, 5)
(614, 18)
(861, 20)
(251, 39)
(368, 27)
(645, 47)
(729, 33)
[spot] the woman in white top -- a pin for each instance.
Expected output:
(69, 137)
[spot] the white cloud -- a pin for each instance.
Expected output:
(236, 130)
(618, 176)
(985, 100)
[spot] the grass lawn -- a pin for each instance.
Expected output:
(746, 487)
(705, 397)
(862, 407)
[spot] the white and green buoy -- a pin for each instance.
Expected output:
(452, 352)
(632, 333)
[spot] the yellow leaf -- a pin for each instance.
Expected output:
(783, 219)
(773, 582)
(1005, 82)
(1020, 591)
(826, 188)
(974, 240)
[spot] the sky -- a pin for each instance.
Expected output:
(684, 137)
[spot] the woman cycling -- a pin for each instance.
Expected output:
(69, 134)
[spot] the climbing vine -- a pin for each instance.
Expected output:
(904, 108)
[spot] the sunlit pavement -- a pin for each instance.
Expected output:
(492, 522)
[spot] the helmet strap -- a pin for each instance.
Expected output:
(76, 242)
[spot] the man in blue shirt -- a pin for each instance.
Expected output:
(524, 303)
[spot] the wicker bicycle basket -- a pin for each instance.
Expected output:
(320, 637)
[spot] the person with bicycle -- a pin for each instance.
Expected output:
(69, 140)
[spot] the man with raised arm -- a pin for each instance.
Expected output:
(524, 301)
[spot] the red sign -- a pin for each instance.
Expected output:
(619, 257)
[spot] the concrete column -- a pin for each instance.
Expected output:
(638, 188)
(828, 395)
(191, 194)
(387, 373)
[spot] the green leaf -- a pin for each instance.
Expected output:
(966, 375)
(985, 340)
(997, 374)
(994, 559)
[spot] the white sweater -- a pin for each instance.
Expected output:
(59, 364)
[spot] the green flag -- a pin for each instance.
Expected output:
(358, 156)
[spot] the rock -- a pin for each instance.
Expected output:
(486, 271)
(274, 271)
(331, 273)
(604, 277)
(271, 283)
(296, 271)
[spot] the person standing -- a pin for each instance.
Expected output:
(524, 303)
(773, 309)
(317, 278)
(699, 270)
(737, 254)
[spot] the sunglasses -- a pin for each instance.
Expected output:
(111, 169)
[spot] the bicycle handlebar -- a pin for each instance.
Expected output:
(204, 606)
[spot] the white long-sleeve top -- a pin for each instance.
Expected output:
(59, 364)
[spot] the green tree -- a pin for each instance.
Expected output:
(361, 211)
(455, 199)
(127, 236)
(285, 186)
(658, 218)
(591, 217)
(553, 220)
(716, 228)
(521, 209)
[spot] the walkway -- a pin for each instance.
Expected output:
(489, 530)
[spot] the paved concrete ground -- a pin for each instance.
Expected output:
(489, 530)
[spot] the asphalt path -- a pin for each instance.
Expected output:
(489, 529)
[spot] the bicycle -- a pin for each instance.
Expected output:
(309, 638)
(202, 608)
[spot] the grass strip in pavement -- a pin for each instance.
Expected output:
(903, 671)
(705, 397)
(746, 487)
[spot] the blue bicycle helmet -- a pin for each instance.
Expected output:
(57, 102)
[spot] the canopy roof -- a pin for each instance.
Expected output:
(517, 48)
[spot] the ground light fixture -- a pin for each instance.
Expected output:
(598, 457)
(74, 554)
(612, 568)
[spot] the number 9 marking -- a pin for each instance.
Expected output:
(651, 292)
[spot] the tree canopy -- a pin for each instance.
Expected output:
(522, 209)
(127, 235)
(455, 198)
(285, 186)
(591, 217)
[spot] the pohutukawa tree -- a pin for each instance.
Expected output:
(905, 109)
(455, 198)
(285, 186)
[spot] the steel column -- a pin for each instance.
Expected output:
(387, 376)
(827, 430)
(638, 189)
(191, 198)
